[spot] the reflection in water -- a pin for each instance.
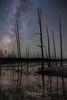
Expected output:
(9, 89)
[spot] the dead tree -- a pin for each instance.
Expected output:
(13, 69)
(55, 56)
(42, 52)
(61, 53)
(18, 40)
(48, 45)
(17, 34)
(27, 68)
(49, 63)
(45, 51)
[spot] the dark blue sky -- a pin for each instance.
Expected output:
(51, 9)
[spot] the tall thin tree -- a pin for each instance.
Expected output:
(46, 51)
(61, 53)
(53, 38)
(27, 68)
(42, 52)
(49, 63)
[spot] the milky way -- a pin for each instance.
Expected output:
(28, 20)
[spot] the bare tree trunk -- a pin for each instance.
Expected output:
(19, 54)
(27, 71)
(45, 51)
(42, 52)
(56, 62)
(61, 54)
(49, 64)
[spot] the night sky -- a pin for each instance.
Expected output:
(51, 9)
